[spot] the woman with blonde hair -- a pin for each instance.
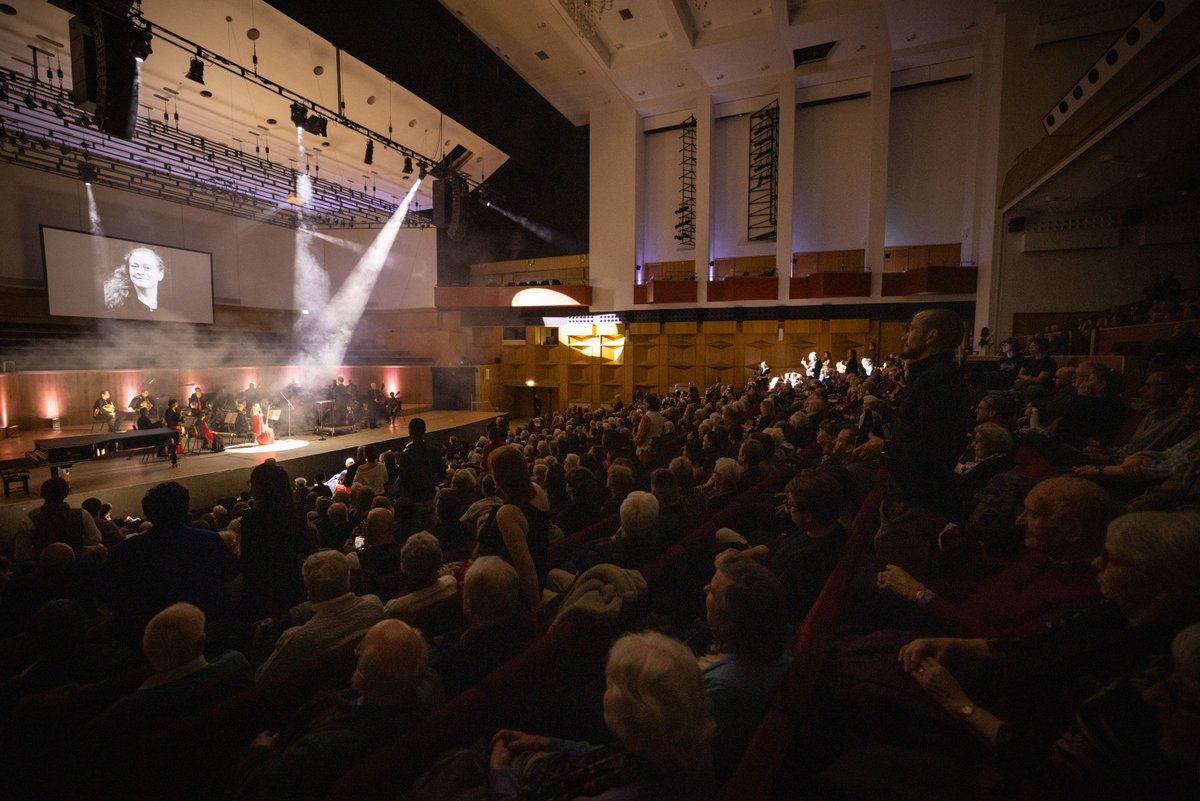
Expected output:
(655, 706)
(518, 530)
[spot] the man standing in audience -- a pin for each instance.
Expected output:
(931, 422)
(392, 689)
(169, 563)
(338, 615)
(421, 470)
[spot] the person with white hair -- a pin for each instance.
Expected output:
(656, 708)
(421, 563)
(1177, 701)
(338, 615)
(182, 684)
(499, 626)
(723, 484)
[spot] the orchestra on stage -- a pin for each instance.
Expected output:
(210, 420)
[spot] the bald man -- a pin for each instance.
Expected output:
(183, 683)
(391, 690)
(932, 420)
(381, 552)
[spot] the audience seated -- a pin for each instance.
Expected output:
(333, 615)
(747, 615)
(392, 689)
(654, 706)
(183, 682)
(380, 553)
(56, 521)
(424, 581)
(499, 625)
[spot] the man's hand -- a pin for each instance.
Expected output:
(871, 449)
(265, 739)
(507, 743)
(896, 579)
(940, 685)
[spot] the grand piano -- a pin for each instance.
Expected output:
(66, 451)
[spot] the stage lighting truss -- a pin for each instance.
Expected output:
(169, 164)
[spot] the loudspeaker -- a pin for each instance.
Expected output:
(116, 76)
(459, 212)
(450, 206)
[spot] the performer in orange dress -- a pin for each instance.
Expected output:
(263, 433)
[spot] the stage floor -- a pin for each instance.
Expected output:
(122, 480)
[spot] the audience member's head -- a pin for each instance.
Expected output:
(815, 499)
(991, 439)
(654, 702)
(726, 474)
(392, 660)
(174, 637)
(639, 515)
(338, 512)
(326, 575)
(665, 486)
(54, 556)
(507, 466)
(55, 490)
(931, 332)
(166, 504)
(1177, 699)
(490, 590)
(1150, 566)
(1065, 517)
(420, 560)
(747, 610)
(380, 527)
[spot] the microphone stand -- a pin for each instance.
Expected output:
(290, 407)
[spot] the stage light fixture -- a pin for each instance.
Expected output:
(423, 171)
(139, 43)
(299, 115)
(316, 125)
(29, 101)
(87, 173)
(407, 165)
(370, 154)
(3, 91)
(196, 70)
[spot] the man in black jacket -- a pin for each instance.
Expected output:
(421, 470)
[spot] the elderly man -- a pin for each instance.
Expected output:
(338, 615)
(1064, 520)
(421, 563)
(1164, 424)
(183, 683)
(382, 553)
(392, 689)
(499, 626)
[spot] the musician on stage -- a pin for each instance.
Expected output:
(173, 419)
(241, 426)
(263, 433)
(374, 404)
(142, 401)
(143, 421)
(196, 400)
(104, 407)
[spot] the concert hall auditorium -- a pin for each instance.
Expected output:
(629, 400)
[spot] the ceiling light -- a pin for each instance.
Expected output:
(299, 115)
(139, 43)
(407, 165)
(196, 70)
(423, 171)
(87, 173)
(316, 125)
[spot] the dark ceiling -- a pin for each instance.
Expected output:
(424, 48)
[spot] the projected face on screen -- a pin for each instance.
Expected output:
(89, 275)
(145, 272)
(133, 287)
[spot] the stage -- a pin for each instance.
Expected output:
(123, 480)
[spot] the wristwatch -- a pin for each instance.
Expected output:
(965, 711)
(923, 598)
